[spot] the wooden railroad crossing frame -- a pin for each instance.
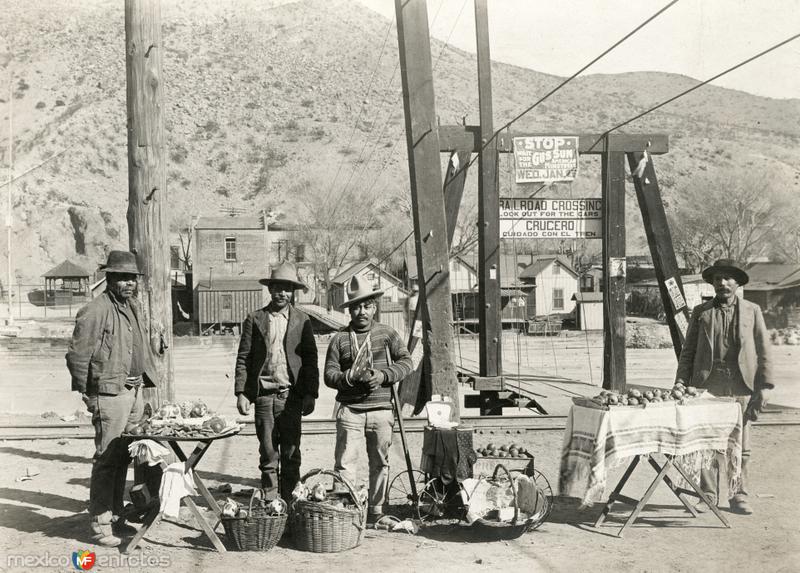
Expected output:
(435, 214)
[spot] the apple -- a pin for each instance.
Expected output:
(677, 394)
(613, 400)
(691, 391)
(633, 401)
(504, 448)
(649, 395)
(645, 400)
(634, 393)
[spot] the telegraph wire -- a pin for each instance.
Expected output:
(701, 84)
(361, 109)
(565, 82)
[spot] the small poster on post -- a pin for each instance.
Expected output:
(545, 159)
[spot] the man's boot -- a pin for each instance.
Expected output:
(103, 534)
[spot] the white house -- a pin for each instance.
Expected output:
(555, 284)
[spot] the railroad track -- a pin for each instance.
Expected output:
(480, 424)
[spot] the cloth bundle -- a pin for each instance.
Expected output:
(175, 485)
(148, 451)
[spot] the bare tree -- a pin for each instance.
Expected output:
(728, 214)
(333, 226)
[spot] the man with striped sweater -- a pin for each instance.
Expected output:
(364, 359)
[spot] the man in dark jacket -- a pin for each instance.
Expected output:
(727, 352)
(276, 369)
(110, 360)
(363, 361)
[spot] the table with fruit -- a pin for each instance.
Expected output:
(612, 428)
(190, 420)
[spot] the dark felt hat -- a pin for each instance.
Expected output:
(726, 266)
(121, 262)
(357, 291)
(284, 273)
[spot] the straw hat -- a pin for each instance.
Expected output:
(726, 266)
(284, 273)
(358, 291)
(121, 262)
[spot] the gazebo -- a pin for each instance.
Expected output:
(67, 283)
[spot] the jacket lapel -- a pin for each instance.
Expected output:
(706, 317)
(261, 320)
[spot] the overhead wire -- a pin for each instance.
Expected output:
(701, 84)
(362, 107)
(565, 82)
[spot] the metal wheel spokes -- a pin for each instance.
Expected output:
(433, 500)
(399, 496)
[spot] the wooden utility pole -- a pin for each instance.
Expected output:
(614, 269)
(147, 181)
(491, 327)
(430, 236)
(660, 240)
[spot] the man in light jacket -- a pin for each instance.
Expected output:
(110, 361)
(727, 352)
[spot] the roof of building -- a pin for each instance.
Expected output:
(230, 284)
(346, 273)
(588, 297)
(540, 262)
(66, 269)
(773, 273)
(230, 223)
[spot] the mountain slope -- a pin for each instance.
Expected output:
(264, 98)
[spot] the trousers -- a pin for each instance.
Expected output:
(354, 428)
(277, 422)
(110, 469)
(728, 382)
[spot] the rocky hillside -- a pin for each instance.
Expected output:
(264, 99)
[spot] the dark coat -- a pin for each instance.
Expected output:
(300, 348)
(98, 354)
(694, 365)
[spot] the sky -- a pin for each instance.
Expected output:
(696, 38)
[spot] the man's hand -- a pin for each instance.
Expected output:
(374, 380)
(91, 402)
(758, 400)
(308, 405)
(242, 404)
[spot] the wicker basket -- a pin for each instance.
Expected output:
(322, 528)
(259, 531)
(502, 530)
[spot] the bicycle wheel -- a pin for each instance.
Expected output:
(400, 496)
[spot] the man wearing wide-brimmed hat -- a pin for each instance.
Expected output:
(727, 352)
(110, 360)
(276, 369)
(364, 359)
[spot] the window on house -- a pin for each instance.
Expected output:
(174, 257)
(230, 248)
(386, 299)
(587, 283)
(227, 301)
(300, 253)
(558, 299)
(556, 269)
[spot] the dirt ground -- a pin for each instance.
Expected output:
(46, 517)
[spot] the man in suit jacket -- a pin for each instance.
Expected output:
(727, 352)
(277, 370)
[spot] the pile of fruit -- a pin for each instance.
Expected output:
(261, 506)
(186, 420)
(634, 397)
(509, 451)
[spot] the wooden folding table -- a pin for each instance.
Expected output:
(664, 435)
(190, 462)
